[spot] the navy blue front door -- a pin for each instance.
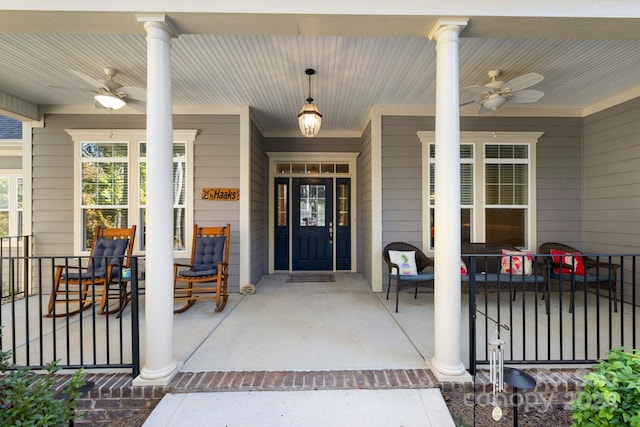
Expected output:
(312, 224)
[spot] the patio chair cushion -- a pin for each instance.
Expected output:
(421, 276)
(208, 253)
(406, 260)
(571, 262)
(516, 262)
(481, 277)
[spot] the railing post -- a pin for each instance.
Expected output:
(135, 323)
(472, 315)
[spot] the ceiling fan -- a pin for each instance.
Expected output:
(496, 93)
(110, 94)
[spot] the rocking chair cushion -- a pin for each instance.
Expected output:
(87, 275)
(208, 253)
(105, 252)
(200, 273)
(108, 251)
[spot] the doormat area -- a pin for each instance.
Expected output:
(310, 277)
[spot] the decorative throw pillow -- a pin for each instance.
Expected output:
(516, 262)
(463, 268)
(571, 262)
(406, 260)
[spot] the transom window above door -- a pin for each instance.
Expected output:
(296, 168)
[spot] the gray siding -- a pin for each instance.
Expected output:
(259, 207)
(402, 179)
(216, 163)
(363, 209)
(612, 179)
(558, 183)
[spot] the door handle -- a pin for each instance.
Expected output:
(330, 232)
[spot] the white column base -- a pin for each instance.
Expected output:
(448, 374)
(161, 378)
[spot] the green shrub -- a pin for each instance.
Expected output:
(611, 394)
(27, 398)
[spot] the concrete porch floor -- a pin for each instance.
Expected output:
(331, 327)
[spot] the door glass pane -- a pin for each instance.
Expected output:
(282, 205)
(343, 205)
(312, 205)
(505, 226)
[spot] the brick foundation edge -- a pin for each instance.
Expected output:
(115, 401)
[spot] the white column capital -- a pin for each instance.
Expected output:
(447, 25)
(160, 21)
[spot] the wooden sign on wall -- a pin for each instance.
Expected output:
(226, 194)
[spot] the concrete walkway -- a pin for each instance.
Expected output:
(422, 407)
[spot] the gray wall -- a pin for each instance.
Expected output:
(558, 174)
(402, 179)
(363, 209)
(216, 164)
(259, 207)
(612, 185)
(612, 179)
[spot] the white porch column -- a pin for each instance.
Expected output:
(447, 361)
(159, 364)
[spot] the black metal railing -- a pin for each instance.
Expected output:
(554, 315)
(38, 331)
(14, 276)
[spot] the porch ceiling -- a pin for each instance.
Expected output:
(361, 61)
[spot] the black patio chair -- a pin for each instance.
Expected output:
(421, 278)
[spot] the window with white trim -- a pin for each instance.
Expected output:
(10, 205)
(497, 191)
(111, 170)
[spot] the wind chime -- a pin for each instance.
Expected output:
(496, 368)
(496, 364)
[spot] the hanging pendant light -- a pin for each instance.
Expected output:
(309, 117)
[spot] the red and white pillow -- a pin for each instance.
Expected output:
(463, 268)
(516, 262)
(571, 262)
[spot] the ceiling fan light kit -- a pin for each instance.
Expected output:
(496, 93)
(494, 102)
(108, 100)
(309, 117)
(108, 93)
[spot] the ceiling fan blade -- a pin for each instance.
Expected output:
(136, 93)
(522, 82)
(462, 104)
(90, 80)
(137, 105)
(77, 89)
(525, 96)
(478, 89)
